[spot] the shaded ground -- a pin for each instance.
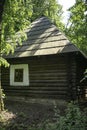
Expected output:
(21, 115)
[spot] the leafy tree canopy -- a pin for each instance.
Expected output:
(17, 16)
(49, 8)
(77, 29)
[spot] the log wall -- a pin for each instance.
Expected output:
(80, 83)
(49, 77)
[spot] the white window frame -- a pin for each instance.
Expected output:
(25, 75)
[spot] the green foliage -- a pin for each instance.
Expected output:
(85, 76)
(49, 8)
(15, 19)
(3, 62)
(17, 16)
(77, 25)
(73, 120)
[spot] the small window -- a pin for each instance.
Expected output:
(19, 75)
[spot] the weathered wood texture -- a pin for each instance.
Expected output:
(48, 77)
(43, 38)
(80, 83)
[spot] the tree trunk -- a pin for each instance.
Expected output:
(2, 2)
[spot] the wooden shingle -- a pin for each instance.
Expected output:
(43, 38)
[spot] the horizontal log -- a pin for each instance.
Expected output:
(36, 88)
(49, 70)
(52, 62)
(48, 88)
(48, 81)
(49, 74)
(42, 77)
(47, 67)
(5, 83)
(5, 78)
(28, 87)
(48, 64)
(39, 96)
(37, 92)
(4, 73)
(49, 84)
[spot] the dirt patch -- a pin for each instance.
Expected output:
(21, 115)
(24, 115)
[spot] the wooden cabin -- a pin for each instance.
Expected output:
(46, 65)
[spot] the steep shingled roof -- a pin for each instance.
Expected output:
(44, 38)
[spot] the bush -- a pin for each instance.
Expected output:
(73, 119)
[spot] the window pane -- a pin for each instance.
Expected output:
(18, 75)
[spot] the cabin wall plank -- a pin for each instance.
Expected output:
(47, 77)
